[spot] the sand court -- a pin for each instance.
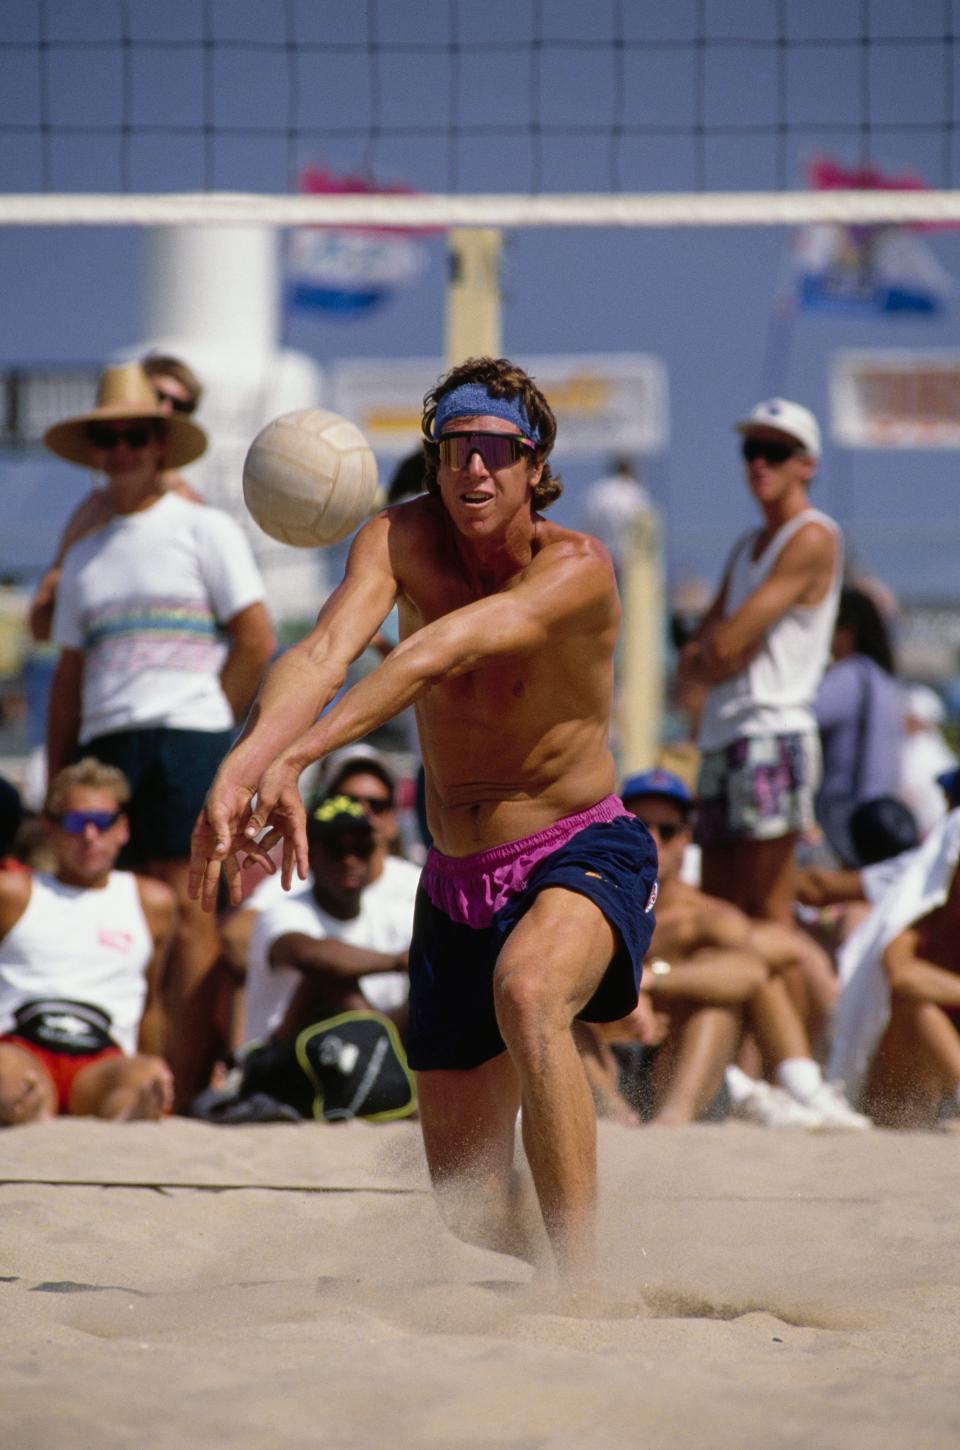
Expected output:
(182, 1285)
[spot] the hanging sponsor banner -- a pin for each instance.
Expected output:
(865, 271)
(895, 399)
(604, 402)
(349, 269)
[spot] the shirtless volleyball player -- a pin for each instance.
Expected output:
(535, 903)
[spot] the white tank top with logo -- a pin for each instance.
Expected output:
(82, 945)
(774, 694)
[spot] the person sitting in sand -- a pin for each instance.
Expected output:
(711, 970)
(334, 945)
(81, 954)
(917, 1066)
(896, 1045)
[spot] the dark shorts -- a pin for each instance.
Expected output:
(468, 906)
(61, 1067)
(170, 772)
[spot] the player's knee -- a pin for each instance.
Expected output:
(524, 1000)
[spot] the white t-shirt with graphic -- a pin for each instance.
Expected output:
(145, 598)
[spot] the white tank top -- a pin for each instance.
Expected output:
(774, 694)
(82, 945)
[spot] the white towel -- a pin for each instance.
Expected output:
(864, 1007)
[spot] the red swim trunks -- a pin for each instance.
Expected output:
(62, 1067)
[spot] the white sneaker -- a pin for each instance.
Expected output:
(829, 1103)
(771, 1107)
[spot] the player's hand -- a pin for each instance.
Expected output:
(279, 812)
(218, 837)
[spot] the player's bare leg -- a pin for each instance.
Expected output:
(548, 970)
(468, 1120)
(27, 1093)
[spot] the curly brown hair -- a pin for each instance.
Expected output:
(502, 379)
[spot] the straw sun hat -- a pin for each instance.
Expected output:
(124, 394)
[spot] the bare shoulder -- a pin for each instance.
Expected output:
(556, 547)
(815, 543)
(159, 904)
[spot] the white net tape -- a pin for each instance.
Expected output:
(667, 209)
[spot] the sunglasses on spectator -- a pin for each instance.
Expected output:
(769, 450)
(109, 438)
(179, 405)
(377, 804)
(498, 450)
(76, 822)
(666, 832)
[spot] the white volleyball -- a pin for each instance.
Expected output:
(310, 478)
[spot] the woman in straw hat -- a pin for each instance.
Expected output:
(143, 681)
(178, 390)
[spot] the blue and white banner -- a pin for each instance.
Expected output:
(349, 269)
(858, 271)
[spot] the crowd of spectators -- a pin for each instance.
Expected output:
(803, 973)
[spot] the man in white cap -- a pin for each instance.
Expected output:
(762, 647)
(144, 681)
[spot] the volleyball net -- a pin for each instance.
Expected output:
(519, 113)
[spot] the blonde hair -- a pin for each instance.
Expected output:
(89, 773)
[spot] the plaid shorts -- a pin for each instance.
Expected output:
(757, 788)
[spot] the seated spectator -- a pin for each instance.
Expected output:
(895, 1043)
(333, 945)
(81, 954)
(711, 968)
(832, 900)
(362, 774)
(178, 390)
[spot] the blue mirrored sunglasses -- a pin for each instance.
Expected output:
(498, 450)
(76, 822)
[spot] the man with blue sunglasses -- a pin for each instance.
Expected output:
(535, 901)
(82, 1029)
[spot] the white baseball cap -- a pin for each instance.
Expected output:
(791, 418)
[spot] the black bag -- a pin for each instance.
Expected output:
(59, 1024)
(349, 1066)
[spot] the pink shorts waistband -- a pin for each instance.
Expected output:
(472, 889)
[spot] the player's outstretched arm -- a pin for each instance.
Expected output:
(565, 591)
(294, 692)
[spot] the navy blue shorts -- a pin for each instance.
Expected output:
(169, 773)
(467, 907)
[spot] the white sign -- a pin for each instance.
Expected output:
(604, 402)
(895, 399)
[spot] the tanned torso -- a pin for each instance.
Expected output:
(512, 746)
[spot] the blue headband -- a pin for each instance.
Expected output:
(471, 400)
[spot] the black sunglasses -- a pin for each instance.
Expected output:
(179, 405)
(109, 438)
(666, 832)
(378, 804)
(769, 450)
(498, 450)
